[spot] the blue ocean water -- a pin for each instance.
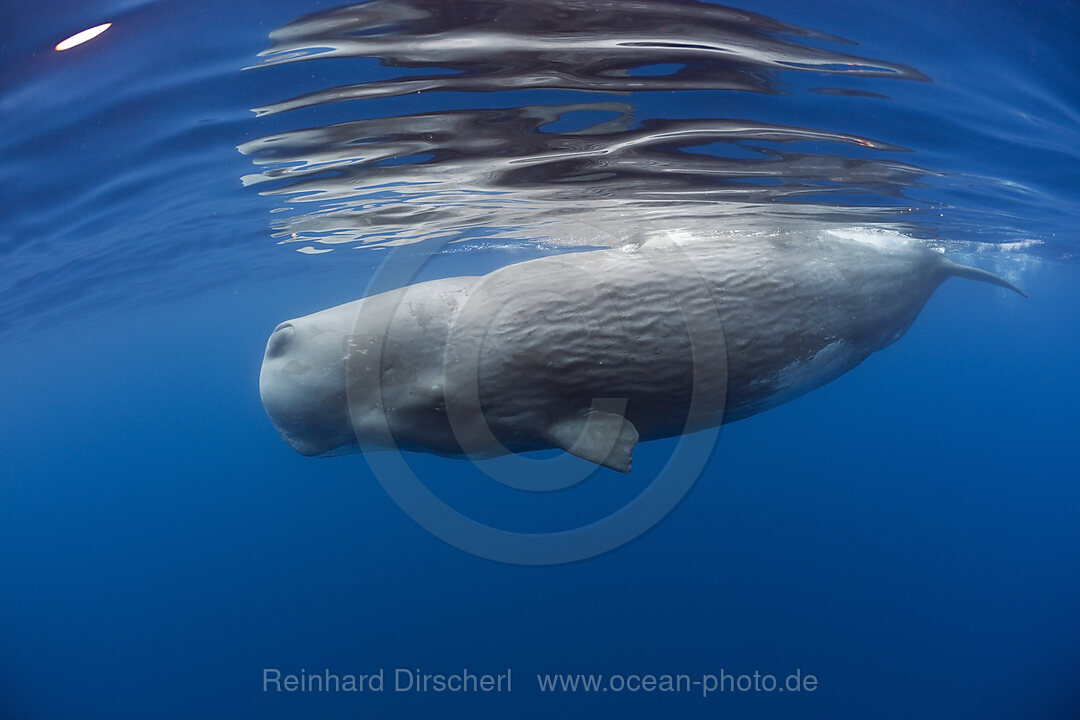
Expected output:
(907, 535)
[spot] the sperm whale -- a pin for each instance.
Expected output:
(593, 352)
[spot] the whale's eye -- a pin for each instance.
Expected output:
(279, 340)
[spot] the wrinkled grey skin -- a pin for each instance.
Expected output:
(593, 351)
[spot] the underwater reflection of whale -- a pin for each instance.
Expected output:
(593, 351)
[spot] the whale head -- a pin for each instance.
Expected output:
(366, 375)
(302, 384)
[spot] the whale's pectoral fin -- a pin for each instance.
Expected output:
(605, 438)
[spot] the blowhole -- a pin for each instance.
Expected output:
(279, 339)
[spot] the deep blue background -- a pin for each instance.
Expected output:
(908, 534)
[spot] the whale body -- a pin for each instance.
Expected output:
(595, 351)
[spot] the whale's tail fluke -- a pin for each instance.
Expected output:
(965, 271)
